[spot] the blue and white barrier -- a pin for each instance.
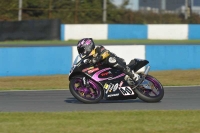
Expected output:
(130, 31)
(28, 61)
(168, 32)
(31, 61)
(173, 57)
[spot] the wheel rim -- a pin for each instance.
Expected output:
(155, 86)
(91, 92)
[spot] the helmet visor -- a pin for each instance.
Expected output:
(82, 52)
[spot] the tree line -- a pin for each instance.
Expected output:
(86, 12)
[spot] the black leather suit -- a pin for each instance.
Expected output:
(100, 54)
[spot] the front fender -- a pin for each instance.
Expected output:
(72, 75)
(81, 74)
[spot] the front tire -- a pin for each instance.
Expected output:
(91, 94)
(154, 94)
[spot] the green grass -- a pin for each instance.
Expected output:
(167, 78)
(73, 42)
(102, 122)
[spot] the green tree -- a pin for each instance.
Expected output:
(8, 10)
(86, 12)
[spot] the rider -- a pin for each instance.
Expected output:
(91, 54)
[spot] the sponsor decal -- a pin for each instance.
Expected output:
(93, 70)
(126, 91)
(111, 87)
(86, 69)
(88, 42)
(105, 73)
(113, 95)
(106, 86)
(121, 83)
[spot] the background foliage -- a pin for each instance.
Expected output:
(86, 11)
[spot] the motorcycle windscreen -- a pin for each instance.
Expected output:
(76, 60)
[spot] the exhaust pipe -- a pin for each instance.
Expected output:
(146, 70)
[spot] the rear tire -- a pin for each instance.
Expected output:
(92, 94)
(146, 95)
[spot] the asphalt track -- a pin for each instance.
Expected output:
(176, 98)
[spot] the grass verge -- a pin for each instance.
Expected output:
(167, 78)
(102, 121)
(71, 42)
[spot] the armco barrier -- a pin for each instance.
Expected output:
(29, 61)
(170, 57)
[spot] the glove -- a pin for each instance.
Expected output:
(86, 61)
(95, 60)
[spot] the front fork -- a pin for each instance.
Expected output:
(144, 82)
(146, 71)
(85, 82)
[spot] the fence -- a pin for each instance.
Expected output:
(30, 30)
(73, 11)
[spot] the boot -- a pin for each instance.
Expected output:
(132, 77)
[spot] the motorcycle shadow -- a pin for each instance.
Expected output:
(104, 101)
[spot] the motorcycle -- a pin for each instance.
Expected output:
(90, 84)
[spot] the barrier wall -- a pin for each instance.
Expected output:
(125, 31)
(171, 57)
(194, 31)
(168, 32)
(29, 61)
(77, 31)
(130, 31)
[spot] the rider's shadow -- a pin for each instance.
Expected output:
(104, 101)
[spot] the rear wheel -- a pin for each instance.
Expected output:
(90, 94)
(150, 90)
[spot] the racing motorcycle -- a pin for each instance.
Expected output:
(90, 84)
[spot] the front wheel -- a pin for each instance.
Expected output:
(150, 90)
(92, 93)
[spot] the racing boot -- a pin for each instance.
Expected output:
(131, 77)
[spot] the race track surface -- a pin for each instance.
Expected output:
(176, 98)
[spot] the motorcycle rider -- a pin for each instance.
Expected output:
(91, 54)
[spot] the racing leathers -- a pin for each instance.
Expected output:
(100, 54)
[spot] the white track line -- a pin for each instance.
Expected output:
(181, 86)
(68, 89)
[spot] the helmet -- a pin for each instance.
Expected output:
(85, 47)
